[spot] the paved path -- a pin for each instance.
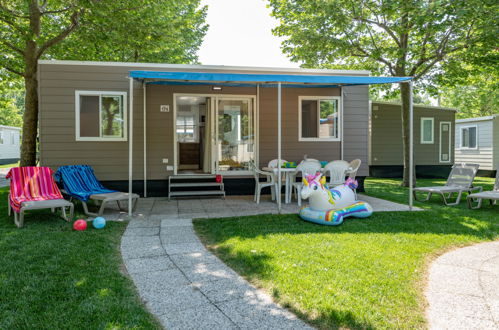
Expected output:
(3, 181)
(463, 289)
(186, 286)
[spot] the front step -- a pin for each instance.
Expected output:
(197, 193)
(186, 185)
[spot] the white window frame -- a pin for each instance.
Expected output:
(2, 138)
(339, 119)
(450, 142)
(423, 119)
(102, 137)
(461, 129)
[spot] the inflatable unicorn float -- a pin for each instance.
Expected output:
(331, 206)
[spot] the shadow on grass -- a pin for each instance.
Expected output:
(253, 266)
(453, 224)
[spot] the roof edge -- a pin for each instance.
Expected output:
(201, 66)
(10, 127)
(418, 105)
(484, 118)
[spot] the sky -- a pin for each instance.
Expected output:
(240, 34)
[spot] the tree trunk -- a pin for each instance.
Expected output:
(405, 95)
(30, 118)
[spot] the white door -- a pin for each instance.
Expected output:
(235, 145)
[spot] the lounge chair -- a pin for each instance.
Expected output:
(460, 180)
(79, 182)
(33, 188)
(492, 196)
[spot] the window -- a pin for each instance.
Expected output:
(101, 116)
(469, 137)
(187, 128)
(319, 118)
(427, 130)
(13, 138)
(1, 137)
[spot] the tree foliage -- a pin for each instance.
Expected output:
(124, 30)
(391, 37)
(11, 103)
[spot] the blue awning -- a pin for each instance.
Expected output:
(243, 79)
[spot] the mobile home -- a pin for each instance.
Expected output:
(9, 144)
(197, 119)
(433, 140)
(477, 141)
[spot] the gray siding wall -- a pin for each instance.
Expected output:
(356, 125)
(483, 155)
(58, 146)
(386, 135)
(495, 143)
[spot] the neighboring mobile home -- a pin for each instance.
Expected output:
(182, 125)
(477, 141)
(9, 144)
(433, 140)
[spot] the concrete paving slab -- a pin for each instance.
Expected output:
(209, 272)
(142, 231)
(190, 260)
(149, 264)
(176, 222)
(157, 281)
(168, 238)
(251, 314)
(146, 223)
(224, 289)
(206, 317)
(180, 248)
(180, 298)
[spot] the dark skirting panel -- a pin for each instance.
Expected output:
(422, 171)
(233, 186)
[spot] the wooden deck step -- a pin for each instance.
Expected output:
(197, 193)
(186, 185)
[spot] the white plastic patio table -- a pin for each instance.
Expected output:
(287, 171)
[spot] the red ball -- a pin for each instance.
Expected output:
(80, 225)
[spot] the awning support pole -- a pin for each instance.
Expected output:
(279, 156)
(145, 139)
(342, 142)
(130, 150)
(411, 147)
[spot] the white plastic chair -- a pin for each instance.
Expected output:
(354, 167)
(336, 170)
(259, 185)
(304, 168)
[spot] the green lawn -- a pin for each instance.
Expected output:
(9, 165)
(366, 273)
(52, 277)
